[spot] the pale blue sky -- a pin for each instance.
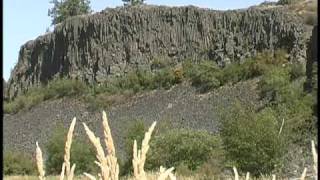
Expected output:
(24, 20)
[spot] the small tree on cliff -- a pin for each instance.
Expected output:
(132, 2)
(62, 9)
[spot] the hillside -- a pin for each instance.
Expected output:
(245, 80)
(182, 105)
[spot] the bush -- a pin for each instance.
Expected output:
(273, 82)
(56, 89)
(183, 147)
(165, 79)
(205, 75)
(240, 72)
(81, 154)
(18, 163)
(287, 2)
(135, 131)
(64, 88)
(251, 139)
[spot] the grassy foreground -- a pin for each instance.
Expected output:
(107, 161)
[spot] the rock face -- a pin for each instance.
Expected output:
(96, 47)
(4, 85)
(312, 60)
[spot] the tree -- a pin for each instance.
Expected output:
(133, 2)
(64, 9)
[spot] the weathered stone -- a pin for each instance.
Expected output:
(115, 41)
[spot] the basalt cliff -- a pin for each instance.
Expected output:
(110, 43)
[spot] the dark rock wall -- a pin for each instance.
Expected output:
(312, 61)
(115, 41)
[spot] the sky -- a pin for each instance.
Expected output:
(24, 20)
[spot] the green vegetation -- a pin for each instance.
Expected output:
(81, 154)
(64, 9)
(204, 75)
(251, 139)
(287, 2)
(180, 147)
(251, 136)
(18, 163)
(254, 139)
(135, 131)
(55, 89)
(175, 147)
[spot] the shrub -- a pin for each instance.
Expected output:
(240, 72)
(287, 2)
(296, 70)
(205, 75)
(160, 62)
(183, 147)
(64, 88)
(18, 163)
(251, 139)
(56, 89)
(273, 82)
(297, 108)
(165, 79)
(81, 154)
(135, 131)
(178, 74)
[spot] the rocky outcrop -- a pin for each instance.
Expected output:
(97, 47)
(4, 85)
(312, 61)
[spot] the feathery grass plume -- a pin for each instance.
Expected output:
(111, 153)
(172, 177)
(67, 148)
(91, 177)
(71, 175)
(165, 173)
(281, 126)
(139, 156)
(247, 176)
(100, 153)
(236, 175)
(315, 158)
(107, 134)
(303, 174)
(62, 171)
(40, 162)
(107, 163)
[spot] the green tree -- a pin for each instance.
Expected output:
(63, 9)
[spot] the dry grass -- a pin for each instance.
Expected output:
(106, 161)
(110, 168)
(40, 162)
